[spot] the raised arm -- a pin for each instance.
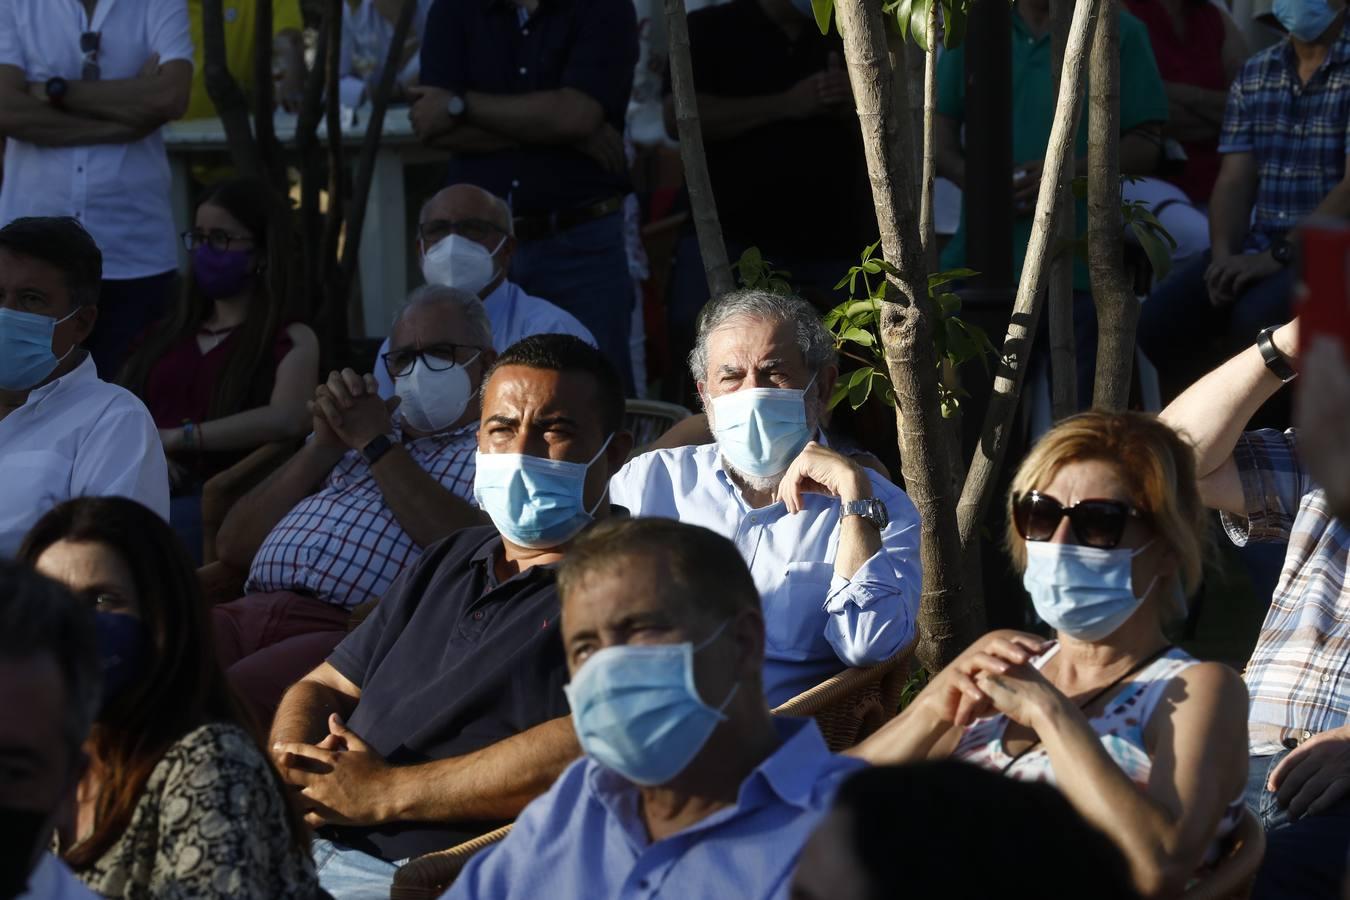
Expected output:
(26, 118)
(723, 117)
(155, 97)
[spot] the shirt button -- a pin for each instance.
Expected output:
(515, 182)
(478, 615)
(523, 70)
(524, 31)
(79, 168)
(1326, 678)
(1306, 735)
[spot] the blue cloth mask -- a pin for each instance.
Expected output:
(122, 642)
(760, 431)
(637, 711)
(1084, 592)
(1305, 19)
(26, 355)
(533, 501)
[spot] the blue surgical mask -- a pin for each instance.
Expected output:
(122, 643)
(637, 712)
(760, 431)
(26, 355)
(1083, 592)
(1305, 19)
(533, 501)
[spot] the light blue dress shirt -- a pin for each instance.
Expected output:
(586, 838)
(513, 314)
(816, 622)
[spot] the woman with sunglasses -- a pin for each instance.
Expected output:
(1148, 743)
(226, 373)
(179, 799)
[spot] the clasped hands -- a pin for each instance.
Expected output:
(340, 780)
(349, 412)
(994, 674)
(1226, 279)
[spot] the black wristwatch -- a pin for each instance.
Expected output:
(1275, 361)
(56, 91)
(377, 448)
(1282, 251)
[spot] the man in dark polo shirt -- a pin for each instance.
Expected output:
(784, 150)
(529, 97)
(443, 714)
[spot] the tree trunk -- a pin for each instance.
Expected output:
(949, 618)
(929, 228)
(1117, 308)
(230, 102)
(1063, 369)
(1012, 363)
(702, 204)
(264, 98)
(311, 174)
(334, 320)
(365, 168)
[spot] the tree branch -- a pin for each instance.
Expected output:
(230, 102)
(269, 148)
(1063, 368)
(335, 290)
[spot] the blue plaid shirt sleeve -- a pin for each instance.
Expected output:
(1273, 485)
(1236, 134)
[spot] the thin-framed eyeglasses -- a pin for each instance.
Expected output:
(435, 230)
(89, 43)
(436, 357)
(216, 239)
(1095, 523)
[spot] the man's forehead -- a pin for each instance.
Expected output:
(17, 269)
(454, 204)
(515, 389)
(750, 341)
(429, 323)
(627, 586)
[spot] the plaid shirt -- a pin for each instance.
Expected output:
(1299, 673)
(343, 544)
(1296, 131)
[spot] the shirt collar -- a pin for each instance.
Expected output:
(77, 376)
(1020, 26)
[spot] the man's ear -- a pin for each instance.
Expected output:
(616, 454)
(747, 630)
(825, 382)
(82, 323)
(506, 252)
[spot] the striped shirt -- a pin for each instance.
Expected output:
(1296, 131)
(1298, 675)
(343, 544)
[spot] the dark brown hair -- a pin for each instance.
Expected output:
(247, 378)
(181, 686)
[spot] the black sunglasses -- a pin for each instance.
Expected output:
(89, 42)
(1095, 523)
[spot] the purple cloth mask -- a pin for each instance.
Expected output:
(221, 273)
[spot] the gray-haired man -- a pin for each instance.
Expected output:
(379, 481)
(833, 547)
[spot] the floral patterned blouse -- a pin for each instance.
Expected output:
(209, 824)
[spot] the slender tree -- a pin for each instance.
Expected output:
(1063, 368)
(333, 321)
(230, 102)
(929, 230)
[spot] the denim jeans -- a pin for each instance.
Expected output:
(1305, 858)
(349, 874)
(585, 271)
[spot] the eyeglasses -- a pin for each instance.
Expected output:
(216, 239)
(437, 358)
(435, 230)
(89, 42)
(1095, 523)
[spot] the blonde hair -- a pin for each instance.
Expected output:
(1155, 463)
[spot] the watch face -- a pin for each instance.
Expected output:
(456, 105)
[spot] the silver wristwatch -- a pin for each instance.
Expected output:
(456, 105)
(871, 509)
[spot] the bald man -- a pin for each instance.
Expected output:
(465, 240)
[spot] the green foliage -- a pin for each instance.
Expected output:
(909, 18)
(754, 271)
(856, 326)
(1155, 240)
(914, 685)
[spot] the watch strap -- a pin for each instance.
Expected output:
(871, 509)
(377, 448)
(1275, 361)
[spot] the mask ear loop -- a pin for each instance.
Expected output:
(66, 318)
(717, 632)
(603, 447)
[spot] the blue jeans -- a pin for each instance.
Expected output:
(585, 271)
(349, 874)
(1305, 858)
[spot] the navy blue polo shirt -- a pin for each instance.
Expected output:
(451, 661)
(588, 45)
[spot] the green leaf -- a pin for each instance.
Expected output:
(902, 14)
(861, 311)
(937, 279)
(846, 280)
(1158, 256)
(949, 304)
(857, 336)
(823, 10)
(918, 22)
(954, 25)
(839, 393)
(860, 386)
(872, 267)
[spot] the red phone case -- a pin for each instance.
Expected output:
(1322, 298)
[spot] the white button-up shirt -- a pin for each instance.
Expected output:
(120, 192)
(816, 622)
(77, 436)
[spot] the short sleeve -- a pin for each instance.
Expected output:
(286, 16)
(1146, 98)
(170, 33)
(1274, 483)
(11, 45)
(441, 53)
(122, 456)
(1236, 134)
(600, 63)
(951, 84)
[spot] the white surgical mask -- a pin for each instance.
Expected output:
(1084, 592)
(458, 262)
(432, 401)
(760, 431)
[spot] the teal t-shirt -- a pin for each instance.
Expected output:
(1142, 99)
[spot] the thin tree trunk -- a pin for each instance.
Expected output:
(264, 97)
(702, 204)
(1063, 369)
(365, 168)
(230, 102)
(928, 225)
(1117, 308)
(1012, 364)
(311, 173)
(949, 617)
(335, 290)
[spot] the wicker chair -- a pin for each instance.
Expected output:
(1233, 875)
(649, 419)
(222, 490)
(428, 876)
(856, 702)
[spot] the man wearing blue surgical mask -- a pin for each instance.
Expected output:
(833, 547)
(443, 713)
(689, 788)
(63, 431)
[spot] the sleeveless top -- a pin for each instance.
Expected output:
(1194, 57)
(1120, 725)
